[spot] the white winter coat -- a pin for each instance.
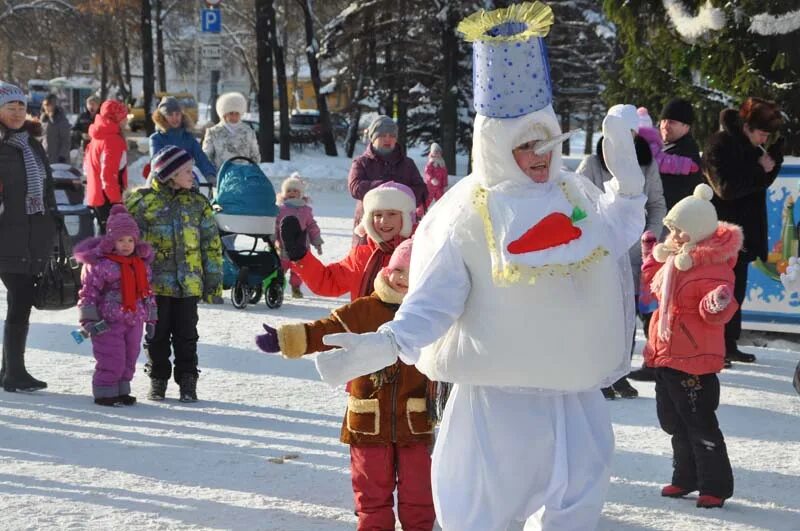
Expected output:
(220, 144)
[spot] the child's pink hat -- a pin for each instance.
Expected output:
(401, 258)
(120, 223)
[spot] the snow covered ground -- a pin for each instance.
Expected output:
(261, 450)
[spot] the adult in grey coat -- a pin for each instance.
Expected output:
(56, 131)
(27, 229)
(594, 168)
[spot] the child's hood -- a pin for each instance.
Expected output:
(92, 250)
(385, 292)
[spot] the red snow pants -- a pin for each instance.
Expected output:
(376, 471)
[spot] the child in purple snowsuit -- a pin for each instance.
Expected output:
(667, 163)
(115, 290)
(435, 175)
(293, 201)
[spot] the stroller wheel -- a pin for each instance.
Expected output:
(274, 296)
(255, 294)
(240, 295)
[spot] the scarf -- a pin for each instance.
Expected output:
(664, 322)
(133, 280)
(375, 264)
(34, 172)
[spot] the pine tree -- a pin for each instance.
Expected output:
(713, 58)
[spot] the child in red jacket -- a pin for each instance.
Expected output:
(388, 220)
(691, 275)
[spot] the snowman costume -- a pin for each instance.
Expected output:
(520, 295)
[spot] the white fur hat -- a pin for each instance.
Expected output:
(293, 182)
(231, 102)
(694, 215)
(388, 196)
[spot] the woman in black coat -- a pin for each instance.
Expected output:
(27, 229)
(740, 164)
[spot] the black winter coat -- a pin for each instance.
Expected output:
(740, 184)
(676, 187)
(26, 241)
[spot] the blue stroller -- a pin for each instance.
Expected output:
(244, 205)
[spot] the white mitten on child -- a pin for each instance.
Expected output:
(717, 299)
(791, 278)
(359, 354)
(619, 151)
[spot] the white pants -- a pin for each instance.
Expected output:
(502, 456)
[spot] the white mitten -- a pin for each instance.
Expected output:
(791, 278)
(620, 156)
(359, 354)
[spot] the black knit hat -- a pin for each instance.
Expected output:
(679, 110)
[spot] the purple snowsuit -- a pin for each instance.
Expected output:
(299, 209)
(117, 349)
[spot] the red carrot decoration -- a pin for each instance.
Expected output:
(553, 230)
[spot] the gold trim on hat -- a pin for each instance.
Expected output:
(537, 16)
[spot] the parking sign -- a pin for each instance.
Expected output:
(210, 20)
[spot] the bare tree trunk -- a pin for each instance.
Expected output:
(312, 48)
(162, 66)
(355, 115)
(126, 57)
(565, 127)
(589, 145)
(448, 116)
(103, 72)
(283, 97)
(266, 122)
(148, 82)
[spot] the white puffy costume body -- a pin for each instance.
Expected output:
(527, 337)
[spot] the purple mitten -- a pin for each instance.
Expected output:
(268, 341)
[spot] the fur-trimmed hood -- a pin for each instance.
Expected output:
(162, 126)
(721, 247)
(92, 250)
(385, 292)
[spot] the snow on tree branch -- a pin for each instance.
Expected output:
(691, 28)
(766, 24)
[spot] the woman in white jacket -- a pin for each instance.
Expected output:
(230, 137)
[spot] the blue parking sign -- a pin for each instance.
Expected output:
(210, 20)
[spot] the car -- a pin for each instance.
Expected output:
(305, 127)
(136, 111)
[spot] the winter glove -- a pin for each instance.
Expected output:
(648, 242)
(268, 341)
(620, 155)
(359, 354)
(791, 278)
(717, 299)
(149, 331)
(319, 249)
(295, 240)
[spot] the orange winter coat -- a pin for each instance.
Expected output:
(336, 279)
(696, 344)
(389, 406)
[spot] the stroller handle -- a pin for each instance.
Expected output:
(248, 159)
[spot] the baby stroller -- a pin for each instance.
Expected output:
(244, 205)
(69, 192)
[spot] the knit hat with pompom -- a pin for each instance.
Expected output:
(120, 223)
(694, 215)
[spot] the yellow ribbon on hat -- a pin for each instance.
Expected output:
(537, 17)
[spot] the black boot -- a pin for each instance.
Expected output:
(734, 354)
(188, 385)
(14, 375)
(158, 389)
(608, 393)
(624, 388)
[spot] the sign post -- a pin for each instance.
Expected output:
(211, 53)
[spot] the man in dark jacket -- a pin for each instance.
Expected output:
(80, 131)
(55, 131)
(675, 126)
(740, 169)
(384, 160)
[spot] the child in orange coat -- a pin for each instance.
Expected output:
(386, 424)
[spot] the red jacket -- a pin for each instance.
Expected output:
(336, 279)
(696, 344)
(105, 163)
